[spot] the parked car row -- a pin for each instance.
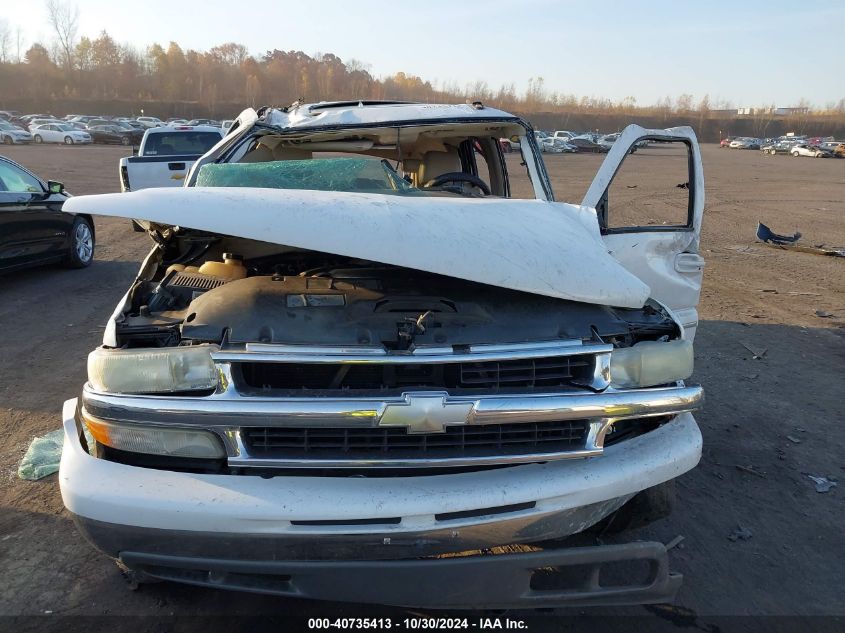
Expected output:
(564, 141)
(16, 128)
(800, 146)
(796, 146)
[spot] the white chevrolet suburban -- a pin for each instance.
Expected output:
(354, 366)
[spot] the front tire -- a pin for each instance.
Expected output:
(37, 139)
(125, 140)
(795, 154)
(81, 252)
(68, 140)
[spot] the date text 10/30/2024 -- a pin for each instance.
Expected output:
(414, 624)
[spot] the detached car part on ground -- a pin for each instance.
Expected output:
(349, 378)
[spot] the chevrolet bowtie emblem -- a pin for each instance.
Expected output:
(425, 413)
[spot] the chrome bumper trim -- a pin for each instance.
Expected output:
(226, 417)
(213, 412)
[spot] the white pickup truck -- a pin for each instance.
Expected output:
(166, 155)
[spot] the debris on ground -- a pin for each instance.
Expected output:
(751, 470)
(42, 457)
(741, 533)
(789, 242)
(674, 542)
(755, 354)
(766, 235)
(823, 484)
(823, 314)
(792, 439)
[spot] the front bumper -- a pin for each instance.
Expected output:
(582, 576)
(523, 496)
(367, 539)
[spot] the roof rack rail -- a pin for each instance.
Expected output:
(328, 105)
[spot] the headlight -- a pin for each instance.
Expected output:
(156, 440)
(651, 363)
(153, 370)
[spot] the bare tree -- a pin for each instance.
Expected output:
(64, 18)
(5, 41)
(19, 43)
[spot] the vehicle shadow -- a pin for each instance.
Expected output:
(64, 279)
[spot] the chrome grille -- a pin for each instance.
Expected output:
(395, 443)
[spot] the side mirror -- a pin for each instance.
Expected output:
(55, 187)
(134, 151)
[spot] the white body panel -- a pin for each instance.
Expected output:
(147, 175)
(546, 248)
(144, 497)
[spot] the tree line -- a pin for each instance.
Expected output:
(104, 76)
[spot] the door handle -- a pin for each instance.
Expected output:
(688, 262)
(176, 166)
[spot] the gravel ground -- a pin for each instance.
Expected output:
(769, 421)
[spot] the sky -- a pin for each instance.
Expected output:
(749, 53)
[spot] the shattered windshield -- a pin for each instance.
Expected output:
(364, 175)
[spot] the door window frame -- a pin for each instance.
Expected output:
(602, 210)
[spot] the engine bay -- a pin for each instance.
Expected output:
(229, 291)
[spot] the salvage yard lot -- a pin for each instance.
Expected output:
(772, 369)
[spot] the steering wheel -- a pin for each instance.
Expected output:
(458, 176)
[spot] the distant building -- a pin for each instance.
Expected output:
(769, 110)
(758, 111)
(788, 111)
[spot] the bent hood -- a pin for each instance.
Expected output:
(546, 248)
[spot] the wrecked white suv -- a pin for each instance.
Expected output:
(353, 367)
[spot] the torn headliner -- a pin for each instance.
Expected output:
(546, 248)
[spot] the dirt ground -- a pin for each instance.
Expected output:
(772, 370)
